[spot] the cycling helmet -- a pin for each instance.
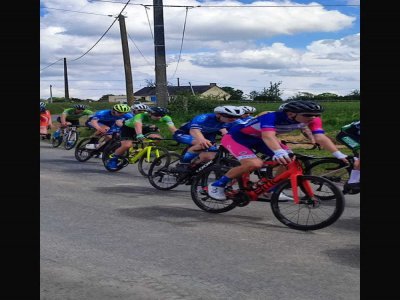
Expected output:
(80, 106)
(158, 111)
(301, 106)
(234, 111)
(143, 107)
(122, 108)
(42, 104)
(42, 109)
(249, 109)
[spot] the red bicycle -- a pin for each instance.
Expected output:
(317, 202)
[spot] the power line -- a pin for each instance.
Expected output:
(50, 64)
(148, 20)
(183, 35)
(138, 49)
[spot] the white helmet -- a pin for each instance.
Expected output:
(143, 107)
(235, 111)
(249, 109)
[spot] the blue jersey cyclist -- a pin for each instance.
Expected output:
(259, 135)
(105, 119)
(201, 133)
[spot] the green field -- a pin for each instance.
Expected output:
(336, 114)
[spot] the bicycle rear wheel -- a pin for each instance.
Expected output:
(145, 162)
(199, 191)
(82, 153)
(71, 140)
(311, 213)
(56, 141)
(159, 175)
(108, 153)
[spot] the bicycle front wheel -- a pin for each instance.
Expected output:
(108, 153)
(82, 153)
(159, 174)
(311, 213)
(71, 140)
(149, 157)
(56, 141)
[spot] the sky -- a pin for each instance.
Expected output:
(308, 46)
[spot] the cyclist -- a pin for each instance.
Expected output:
(349, 136)
(45, 121)
(71, 116)
(248, 112)
(105, 119)
(201, 133)
(133, 129)
(260, 134)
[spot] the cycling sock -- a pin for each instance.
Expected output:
(188, 157)
(222, 181)
(354, 176)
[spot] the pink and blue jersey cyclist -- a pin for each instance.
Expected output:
(259, 135)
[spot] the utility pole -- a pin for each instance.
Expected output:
(178, 80)
(127, 61)
(51, 95)
(159, 52)
(66, 80)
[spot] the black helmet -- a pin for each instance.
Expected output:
(42, 104)
(302, 106)
(80, 106)
(158, 111)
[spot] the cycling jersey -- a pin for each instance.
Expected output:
(45, 118)
(106, 118)
(242, 138)
(206, 123)
(349, 135)
(145, 118)
(72, 116)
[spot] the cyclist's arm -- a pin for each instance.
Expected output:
(199, 138)
(95, 124)
(63, 118)
(328, 145)
(272, 142)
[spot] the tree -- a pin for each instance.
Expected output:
(301, 96)
(273, 93)
(253, 94)
(150, 83)
(235, 94)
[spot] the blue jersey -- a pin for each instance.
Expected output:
(105, 117)
(206, 123)
(239, 121)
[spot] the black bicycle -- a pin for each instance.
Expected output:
(94, 145)
(163, 173)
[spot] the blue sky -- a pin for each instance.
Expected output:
(309, 49)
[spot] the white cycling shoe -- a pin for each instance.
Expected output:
(216, 192)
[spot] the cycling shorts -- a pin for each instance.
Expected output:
(129, 133)
(73, 122)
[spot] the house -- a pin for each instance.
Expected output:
(149, 93)
(117, 99)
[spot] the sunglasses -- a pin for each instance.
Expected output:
(229, 116)
(309, 115)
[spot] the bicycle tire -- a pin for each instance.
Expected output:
(55, 142)
(108, 152)
(144, 165)
(81, 153)
(159, 175)
(71, 140)
(330, 168)
(309, 214)
(200, 195)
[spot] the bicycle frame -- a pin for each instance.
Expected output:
(145, 151)
(293, 170)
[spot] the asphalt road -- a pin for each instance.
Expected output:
(113, 236)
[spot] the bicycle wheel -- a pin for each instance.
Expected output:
(108, 153)
(200, 195)
(71, 140)
(145, 163)
(332, 169)
(82, 153)
(159, 175)
(56, 141)
(311, 213)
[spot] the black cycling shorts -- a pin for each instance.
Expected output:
(129, 133)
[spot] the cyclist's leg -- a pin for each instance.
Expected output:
(128, 134)
(187, 139)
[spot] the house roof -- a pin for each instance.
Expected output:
(174, 90)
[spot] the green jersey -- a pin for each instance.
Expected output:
(145, 118)
(71, 115)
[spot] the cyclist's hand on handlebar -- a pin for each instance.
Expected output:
(103, 129)
(282, 157)
(119, 123)
(204, 143)
(140, 137)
